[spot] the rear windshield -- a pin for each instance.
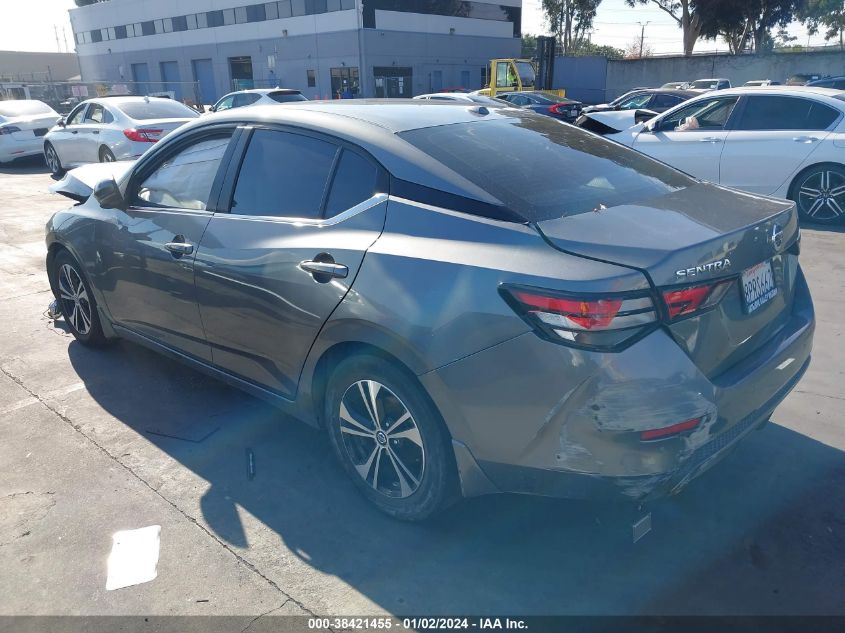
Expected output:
(541, 169)
(24, 108)
(286, 97)
(157, 109)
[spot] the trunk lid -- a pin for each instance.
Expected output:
(693, 236)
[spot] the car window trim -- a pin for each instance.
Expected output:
(154, 161)
(83, 108)
(732, 118)
(227, 191)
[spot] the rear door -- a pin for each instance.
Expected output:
(148, 250)
(303, 210)
(691, 138)
(773, 135)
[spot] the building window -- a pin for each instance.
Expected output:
(96, 35)
(191, 21)
(285, 9)
(298, 7)
(215, 18)
(271, 10)
(313, 7)
(240, 15)
(138, 30)
(228, 17)
(333, 5)
(312, 78)
(347, 4)
(256, 13)
(120, 32)
(110, 34)
(167, 23)
(203, 20)
(463, 9)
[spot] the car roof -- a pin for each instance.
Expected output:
(795, 91)
(261, 91)
(119, 99)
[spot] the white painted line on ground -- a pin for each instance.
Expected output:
(134, 557)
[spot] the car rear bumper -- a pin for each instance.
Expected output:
(18, 149)
(545, 419)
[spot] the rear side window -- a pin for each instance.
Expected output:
(550, 170)
(785, 113)
(355, 181)
(184, 180)
(245, 99)
(665, 101)
(286, 97)
(283, 174)
(157, 109)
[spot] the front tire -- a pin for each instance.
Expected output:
(51, 157)
(78, 304)
(819, 194)
(389, 438)
(106, 155)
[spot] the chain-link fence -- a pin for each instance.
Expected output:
(62, 96)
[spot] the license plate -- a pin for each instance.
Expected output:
(40, 131)
(758, 286)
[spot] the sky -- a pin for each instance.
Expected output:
(29, 26)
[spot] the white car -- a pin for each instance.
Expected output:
(257, 96)
(787, 142)
(23, 123)
(463, 97)
(760, 83)
(706, 85)
(112, 128)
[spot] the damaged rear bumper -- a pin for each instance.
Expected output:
(533, 417)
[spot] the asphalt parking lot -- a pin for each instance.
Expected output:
(96, 441)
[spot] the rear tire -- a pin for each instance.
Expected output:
(106, 155)
(79, 307)
(389, 438)
(51, 157)
(819, 194)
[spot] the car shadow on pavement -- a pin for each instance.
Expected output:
(23, 166)
(757, 534)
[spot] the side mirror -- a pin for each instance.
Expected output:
(61, 122)
(107, 193)
(645, 115)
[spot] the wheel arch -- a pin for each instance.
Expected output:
(794, 182)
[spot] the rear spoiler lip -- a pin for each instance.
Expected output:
(78, 184)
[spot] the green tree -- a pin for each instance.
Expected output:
(570, 21)
(611, 52)
(685, 14)
(529, 46)
(824, 15)
(749, 22)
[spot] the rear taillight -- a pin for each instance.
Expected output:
(603, 322)
(142, 135)
(669, 431)
(690, 300)
(9, 129)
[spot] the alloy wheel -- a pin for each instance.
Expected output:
(108, 157)
(382, 439)
(75, 303)
(822, 195)
(52, 159)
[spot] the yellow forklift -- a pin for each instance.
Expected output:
(517, 75)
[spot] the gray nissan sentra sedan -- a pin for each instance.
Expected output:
(468, 299)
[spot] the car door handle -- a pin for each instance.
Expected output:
(710, 139)
(179, 248)
(96, 131)
(805, 139)
(325, 268)
(74, 131)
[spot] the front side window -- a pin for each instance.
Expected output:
(637, 101)
(75, 117)
(283, 174)
(225, 103)
(785, 113)
(184, 180)
(709, 114)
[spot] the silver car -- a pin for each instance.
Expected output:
(23, 124)
(568, 317)
(107, 129)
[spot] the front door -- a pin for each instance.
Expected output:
(272, 270)
(690, 138)
(148, 253)
(65, 139)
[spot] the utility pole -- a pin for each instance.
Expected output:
(642, 35)
(56, 31)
